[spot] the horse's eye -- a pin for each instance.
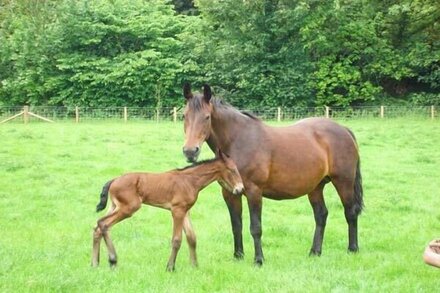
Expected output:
(207, 117)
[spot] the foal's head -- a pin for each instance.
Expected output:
(230, 178)
(197, 125)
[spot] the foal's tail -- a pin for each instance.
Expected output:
(358, 190)
(104, 196)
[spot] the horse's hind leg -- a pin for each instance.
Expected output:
(352, 209)
(320, 212)
(191, 239)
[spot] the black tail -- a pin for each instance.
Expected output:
(358, 190)
(104, 196)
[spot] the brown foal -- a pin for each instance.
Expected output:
(175, 190)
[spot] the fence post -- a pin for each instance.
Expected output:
(327, 112)
(279, 114)
(432, 112)
(76, 114)
(26, 114)
(174, 114)
(125, 114)
(382, 111)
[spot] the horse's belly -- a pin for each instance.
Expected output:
(291, 189)
(295, 176)
(279, 195)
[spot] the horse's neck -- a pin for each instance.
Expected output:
(227, 125)
(204, 174)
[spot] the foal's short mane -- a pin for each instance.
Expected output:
(197, 164)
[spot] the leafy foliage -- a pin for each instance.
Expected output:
(97, 53)
(255, 53)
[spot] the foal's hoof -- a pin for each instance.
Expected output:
(112, 263)
(170, 268)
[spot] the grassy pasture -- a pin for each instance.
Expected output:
(51, 176)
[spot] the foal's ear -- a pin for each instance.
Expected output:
(207, 93)
(219, 154)
(187, 91)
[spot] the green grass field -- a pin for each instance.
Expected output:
(52, 174)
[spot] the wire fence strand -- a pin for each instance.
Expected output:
(83, 114)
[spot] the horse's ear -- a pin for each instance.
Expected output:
(207, 94)
(219, 154)
(187, 91)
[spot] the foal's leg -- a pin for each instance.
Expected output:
(345, 189)
(178, 216)
(320, 212)
(255, 203)
(116, 216)
(97, 237)
(191, 239)
(235, 211)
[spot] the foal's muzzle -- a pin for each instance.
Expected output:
(238, 189)
(191, 154)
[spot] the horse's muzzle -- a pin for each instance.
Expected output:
(191, 154)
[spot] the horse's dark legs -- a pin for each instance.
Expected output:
(235, 211)
(345, 189)
(320, 212)
(254, 197)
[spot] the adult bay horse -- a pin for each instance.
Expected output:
(277, 163)
(175, 190)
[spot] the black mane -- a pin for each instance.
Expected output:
(220, 103)
(196, 103)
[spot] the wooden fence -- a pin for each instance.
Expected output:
(125, 114)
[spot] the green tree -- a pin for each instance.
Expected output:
(96, 53)
(248, 49)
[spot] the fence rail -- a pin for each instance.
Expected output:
(79, 114)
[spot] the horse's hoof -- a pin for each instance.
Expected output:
(170, 268)
(258, 263)
(353, 249)
(238, 255)
(314, 252)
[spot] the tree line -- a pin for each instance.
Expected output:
(260, 53)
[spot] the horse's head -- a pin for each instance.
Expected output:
(230, 178)
(197, 125)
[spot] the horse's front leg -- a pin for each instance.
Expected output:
(235, 211)
(178, 214)
(255, 203)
